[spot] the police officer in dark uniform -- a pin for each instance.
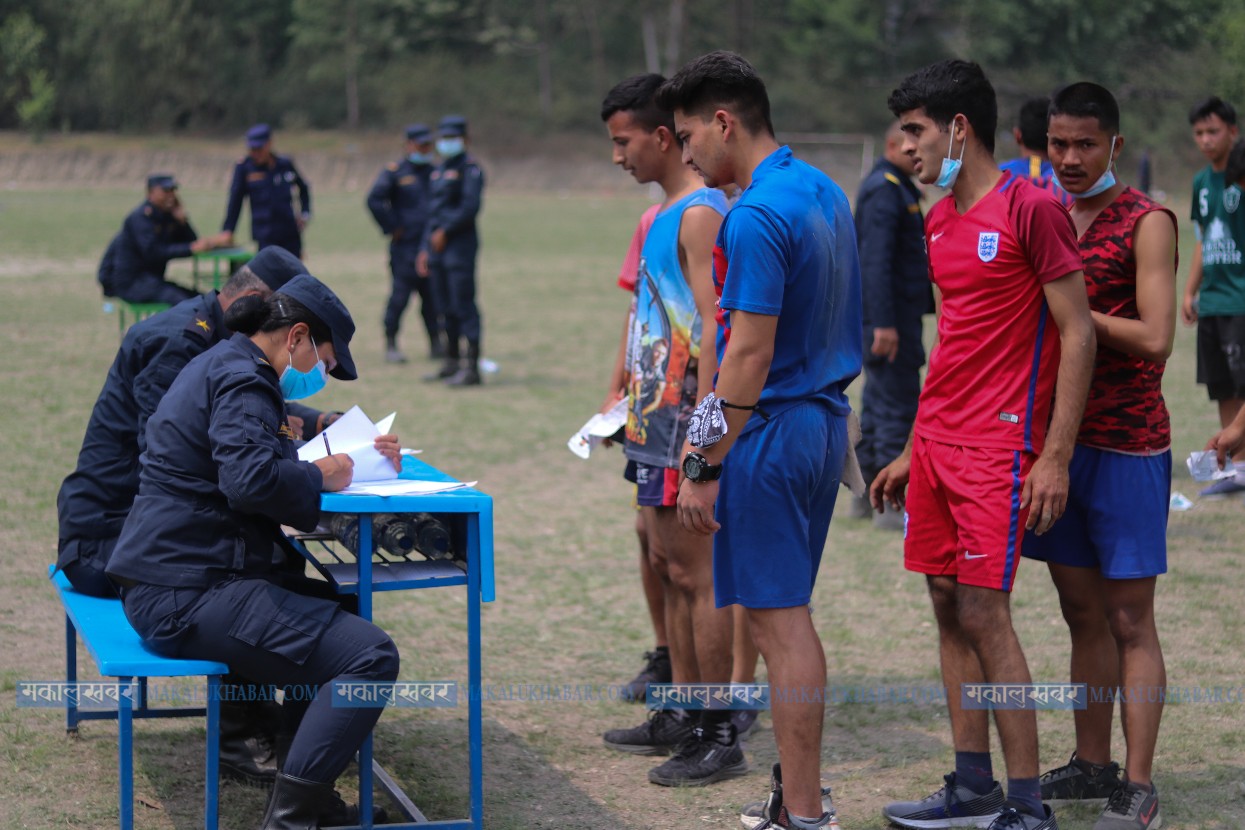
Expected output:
(890, 234)
(96, 497)
(399, 202)
(155, 232)
(266, 179)
(195, 561)
(449, 251)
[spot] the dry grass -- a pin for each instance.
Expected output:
(569, 610)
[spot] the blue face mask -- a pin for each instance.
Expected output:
(420, 158)
(950, 170)
(1105, 182)
(296, 385)
(449, 147)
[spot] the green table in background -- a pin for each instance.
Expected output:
(223, 262)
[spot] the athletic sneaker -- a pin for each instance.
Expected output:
(1014, 819)
(656, 670)
(951, 806)
(1076, 783)
(663, 731)
(1224, 487)
(703, 759)
(753, 814)
(770, 813)
(1131, 807)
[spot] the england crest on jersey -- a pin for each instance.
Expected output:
(987, 245)
(1231, 199)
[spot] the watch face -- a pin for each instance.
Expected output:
(692, 467)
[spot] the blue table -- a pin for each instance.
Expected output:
(468, 513)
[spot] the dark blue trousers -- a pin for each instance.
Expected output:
(273, 635)
(453, 272)
(888, 403)
(405, 282)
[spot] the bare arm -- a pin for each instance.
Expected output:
(1045, 490)
(1150, 337)
(697, 233)
(1187, 312)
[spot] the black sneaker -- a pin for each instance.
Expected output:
(1014, 819)
(702, 759)
(656, 670)
(953, 805)
(1079, 782)
(663, 731)
(744, 721)
(1131, 807)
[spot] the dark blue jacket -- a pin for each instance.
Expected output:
(457, 191)
(219, 476)
(96, 497)
(890, 235)
(400, 200)
(149, 238)
(272, 203)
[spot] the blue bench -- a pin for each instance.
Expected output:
(119, 652)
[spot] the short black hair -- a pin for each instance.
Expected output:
(719, 80)
(243, 280)
(252, 313)
(1214, 105)
(1031, 122)
(1087, 100)
(1235, 170)
(638, 96)
(948, 88)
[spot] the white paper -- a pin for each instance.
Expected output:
(404, 487)
(599, 427)
(386, 423)
(1204, 466)
(353, 434)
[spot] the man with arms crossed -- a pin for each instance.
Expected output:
(789, 323)
(1106, 552)
(1014, 327)
(1214, 296)
(670, 362)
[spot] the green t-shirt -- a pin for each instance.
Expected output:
(1219, 218)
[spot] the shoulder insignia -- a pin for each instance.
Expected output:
(405, 180)
(285, 431)
(256, 176)
(914, 208)
(891, 177)
(451, 174)
(200, 327)
(392, 166)
(262, 362)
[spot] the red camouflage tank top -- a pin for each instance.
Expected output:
(1125, 411)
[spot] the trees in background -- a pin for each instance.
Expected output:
(535, 65)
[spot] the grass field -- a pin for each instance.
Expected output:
(569, 610)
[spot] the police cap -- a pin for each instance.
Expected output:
(276, 266)
(162, 180)
(452, 125)
(258, 136)
(419, 133)
(323, 303)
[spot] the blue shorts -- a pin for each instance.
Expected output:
(1116, 518)
(654, 486)
(777, 494)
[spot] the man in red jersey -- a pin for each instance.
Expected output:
(1107, 551)
(1014, 329)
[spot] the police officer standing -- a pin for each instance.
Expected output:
(267, 180)
(894, 274)
(449, 250)
(399, 202)
(155, 232)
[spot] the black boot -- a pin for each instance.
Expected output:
(450, 367)
(334, 811)
(247, 753)
(296, 804)
(469, 374)
(392, 353)
(436, 346)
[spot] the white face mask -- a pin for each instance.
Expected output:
(950, 170)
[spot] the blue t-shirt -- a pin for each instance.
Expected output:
(788, 249)
(1040, 172)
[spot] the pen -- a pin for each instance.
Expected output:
(327, 449)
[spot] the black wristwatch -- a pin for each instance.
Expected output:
(698, 469)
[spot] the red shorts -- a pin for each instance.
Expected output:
(963, 516)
